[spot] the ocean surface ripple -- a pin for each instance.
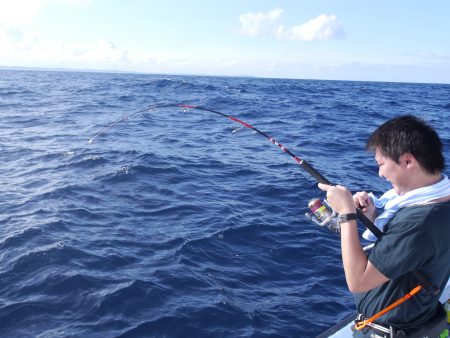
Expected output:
(169, 224)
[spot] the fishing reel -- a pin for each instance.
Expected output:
(323, 215)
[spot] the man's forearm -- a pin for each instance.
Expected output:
(353, 256)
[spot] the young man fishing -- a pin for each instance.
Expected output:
(416, 232)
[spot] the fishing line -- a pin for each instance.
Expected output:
(304, 164)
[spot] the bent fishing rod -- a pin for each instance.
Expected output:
(304, 164)
(423, 280)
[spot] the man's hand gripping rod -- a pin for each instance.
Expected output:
(423, 280)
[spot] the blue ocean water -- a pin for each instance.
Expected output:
(170, 225)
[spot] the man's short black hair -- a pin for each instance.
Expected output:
(409, 134)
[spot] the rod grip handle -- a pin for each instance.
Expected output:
(314, 173)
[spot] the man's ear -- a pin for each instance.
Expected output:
(408, 160)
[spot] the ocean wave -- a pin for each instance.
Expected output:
(169, 225)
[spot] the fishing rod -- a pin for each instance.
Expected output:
(304, 164)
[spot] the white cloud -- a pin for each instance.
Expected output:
(323, 27)
(253, 24)
(18, 48)
(20, 45)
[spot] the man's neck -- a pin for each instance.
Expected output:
(422, 180)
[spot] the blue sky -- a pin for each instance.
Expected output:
(402, 40)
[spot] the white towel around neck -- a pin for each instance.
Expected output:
(392, 202)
